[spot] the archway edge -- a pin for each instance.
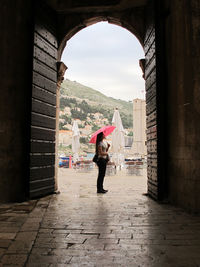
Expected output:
(137, 30)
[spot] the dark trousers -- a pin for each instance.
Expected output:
(102, 171)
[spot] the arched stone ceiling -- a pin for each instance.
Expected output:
(127, 14)
(77, 6)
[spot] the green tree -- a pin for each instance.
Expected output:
(91, 116)
(67, 119)
(130, 134)
(76, 114)
(95, 128)
(84, 140)
(67, 102)
(61, 124)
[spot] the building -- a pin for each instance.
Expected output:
(65, 137)
(139, 127)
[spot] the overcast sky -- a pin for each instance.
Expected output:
(105, 57)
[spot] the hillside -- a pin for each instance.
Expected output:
(96, 102)
(92, 110)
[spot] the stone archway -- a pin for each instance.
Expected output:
(137, 29)
(52, 31)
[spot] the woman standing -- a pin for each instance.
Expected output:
(102, 152)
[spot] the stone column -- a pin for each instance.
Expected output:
(142, 66)
(61, 68)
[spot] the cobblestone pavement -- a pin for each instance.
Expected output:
(79, 227)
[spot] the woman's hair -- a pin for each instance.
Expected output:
(99, 139)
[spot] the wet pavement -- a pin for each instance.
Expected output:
(79, 227)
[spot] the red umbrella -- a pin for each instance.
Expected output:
(106, 130)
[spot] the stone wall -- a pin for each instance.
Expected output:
(69, 24)
(183, 74)
(16, 70)
(17, 26)
(182, 83)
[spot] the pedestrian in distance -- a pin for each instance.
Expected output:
(103, 158)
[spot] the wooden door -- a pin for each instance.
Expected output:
(151, 100)
(43, 110)
(156, 100)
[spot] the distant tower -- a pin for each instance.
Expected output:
(139, 127)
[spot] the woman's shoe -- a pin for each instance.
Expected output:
(105, 190)
(102, 191)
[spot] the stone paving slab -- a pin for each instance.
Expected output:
(79, 227)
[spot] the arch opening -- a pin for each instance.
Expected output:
(139, 145)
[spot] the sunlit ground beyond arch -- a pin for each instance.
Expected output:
(83, 184)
